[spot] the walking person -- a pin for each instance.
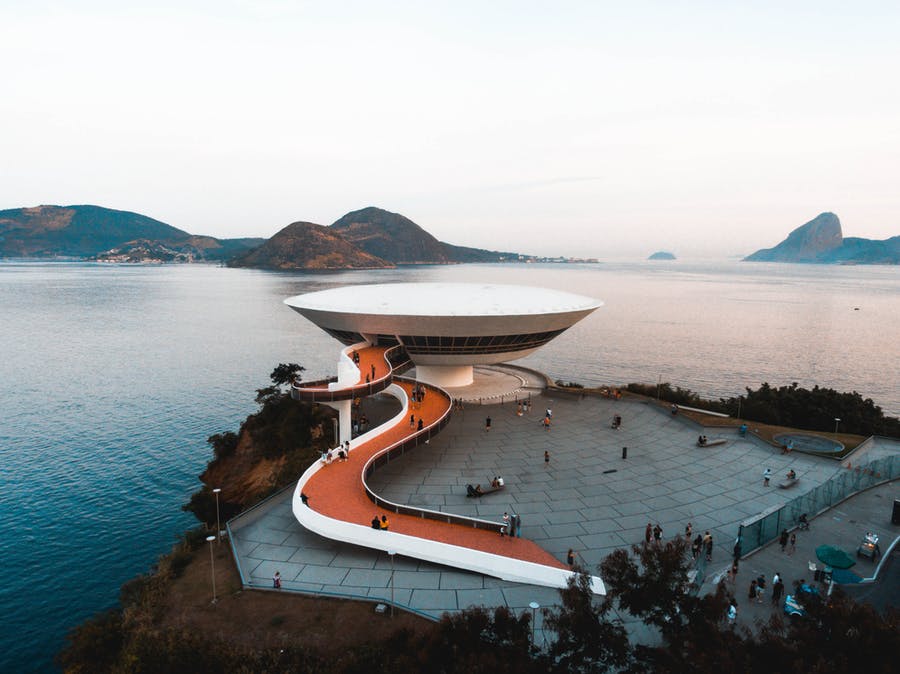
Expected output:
(733, 572)
(570, 558)
(276, 580)
(657, 534)
(793, 547)
(732, 612)
(412, 420)
(777, 590)
(648, 533)
(697, 545)
(709, 549)
(546, 459)
(487, 425)
(518, 519)
(767, 474)
(505, 526)
(751, 593)
(688, 530)
(783, 539)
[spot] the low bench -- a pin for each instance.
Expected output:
(712, 443)
(471, 493)
(787, 484)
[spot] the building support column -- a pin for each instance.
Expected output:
(345, 421)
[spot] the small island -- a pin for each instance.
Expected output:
(662, 255)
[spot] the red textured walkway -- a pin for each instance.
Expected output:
(337, 489)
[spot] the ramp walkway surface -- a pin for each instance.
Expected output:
(331, 497)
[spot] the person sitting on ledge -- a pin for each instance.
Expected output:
(478, 491)
(495, 483)
(470, 491)
(743, 429)
(384, 523)
(376, 523)
(674, 409)
(791, 475)
(701, 440)
(304, 498)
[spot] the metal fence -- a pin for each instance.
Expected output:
(765, 528)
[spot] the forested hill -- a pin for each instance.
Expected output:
(87, 231)
(396, 238)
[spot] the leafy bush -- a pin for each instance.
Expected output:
(811, 409)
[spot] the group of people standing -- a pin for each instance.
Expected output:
(512, 525)
(784, 540)
(702, 544)
(417, 395)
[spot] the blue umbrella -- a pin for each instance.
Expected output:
(834, 557)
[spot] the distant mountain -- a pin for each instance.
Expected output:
(104, 233)
(661, 255)
(821, 241)
(305, 245)
(394, 237)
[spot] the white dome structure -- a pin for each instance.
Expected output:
(446, 328)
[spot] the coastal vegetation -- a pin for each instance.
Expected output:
(167, 624)
(812, 409)
(270, 450)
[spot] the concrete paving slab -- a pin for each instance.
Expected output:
(483, 597)
(434, 600)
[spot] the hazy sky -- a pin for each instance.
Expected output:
(575, 128)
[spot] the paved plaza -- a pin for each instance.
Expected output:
(587, 498)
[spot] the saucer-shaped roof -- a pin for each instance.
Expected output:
(446, 323)
(442, 299)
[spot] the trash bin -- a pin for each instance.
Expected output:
(895, 518)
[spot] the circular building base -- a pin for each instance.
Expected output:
(445, 376)
(496, 384)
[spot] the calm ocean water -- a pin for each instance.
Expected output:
(112, 377)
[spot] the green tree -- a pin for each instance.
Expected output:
(586, 640)
(94, 645)
(651, 583)
(476, 640)
(285, 373)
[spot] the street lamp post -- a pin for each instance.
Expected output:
(534, 606)
(837, 420)
(212, 565)
(391, 553)
(218, 526)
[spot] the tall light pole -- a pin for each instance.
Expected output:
(391, 553)
(212, 565)
(534, 607)
(837, 420)
(218, 526)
